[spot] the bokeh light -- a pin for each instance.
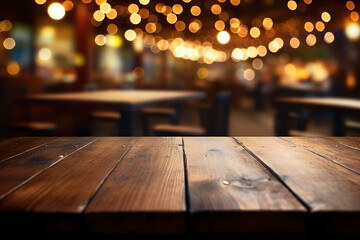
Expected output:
(9, 43)
(223, 37)
(352, 31)
(56, 11)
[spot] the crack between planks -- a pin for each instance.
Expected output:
(9, 158)
(343, 144)
(187, 196)
(327, 158)
(277, 176)
(36, 174)
(84, 204)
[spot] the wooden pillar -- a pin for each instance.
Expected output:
(84, 42)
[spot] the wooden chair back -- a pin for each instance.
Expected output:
(216, 118)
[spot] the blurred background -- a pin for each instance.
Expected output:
(258, 50)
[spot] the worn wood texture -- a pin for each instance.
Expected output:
(17, 170)
(145, 193)
(353, 142)
(349, 157)
(329, 190)
(60, 193)
(13, 146)
(168, 185)
(229, 191)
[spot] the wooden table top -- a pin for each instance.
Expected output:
(120, 98)
(181, 185)
(331, 103)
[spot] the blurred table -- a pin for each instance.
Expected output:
(128, 102)
(249, 186)
(339, 107)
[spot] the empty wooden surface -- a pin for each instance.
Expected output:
(147, 184)
(302, 186)
(224, 178)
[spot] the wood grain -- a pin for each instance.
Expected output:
(60, 193)
(168, 185)
(353, 142)
(17, 170)
(226, 186)
(338, 153)
(145, 193)
(328, 189)
(13, 146)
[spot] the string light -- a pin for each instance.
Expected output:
(311, 40)
(40, 2)
(135, 18)
(223, 37)
(320, 26)
(254, 32)
(267, 23)
(144, 2)
(257, 32)
(45, 54)
(249, 74)
(100, 40)
(195, 10)
(294, 42)
(329, 37)
(325, 16)
(130, 35)
(352, 31)
(56, 11)
(13, 68)
(9, 43)
(216, 9)
(292, 5)
(309, 27)
(350, 5)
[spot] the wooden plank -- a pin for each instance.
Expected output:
(330, 191)
(145, 193)
(338, 153)
(229, 191)
(353, 142)
(19, 169)
(53, 200)
(13, 146)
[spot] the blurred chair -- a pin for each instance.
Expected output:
(151, 112)
(352, 126)
(20, 124)
(102, 115)
(214, 120)
(172, 114)
(105, 122)
(112, 116)
(34, 128)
